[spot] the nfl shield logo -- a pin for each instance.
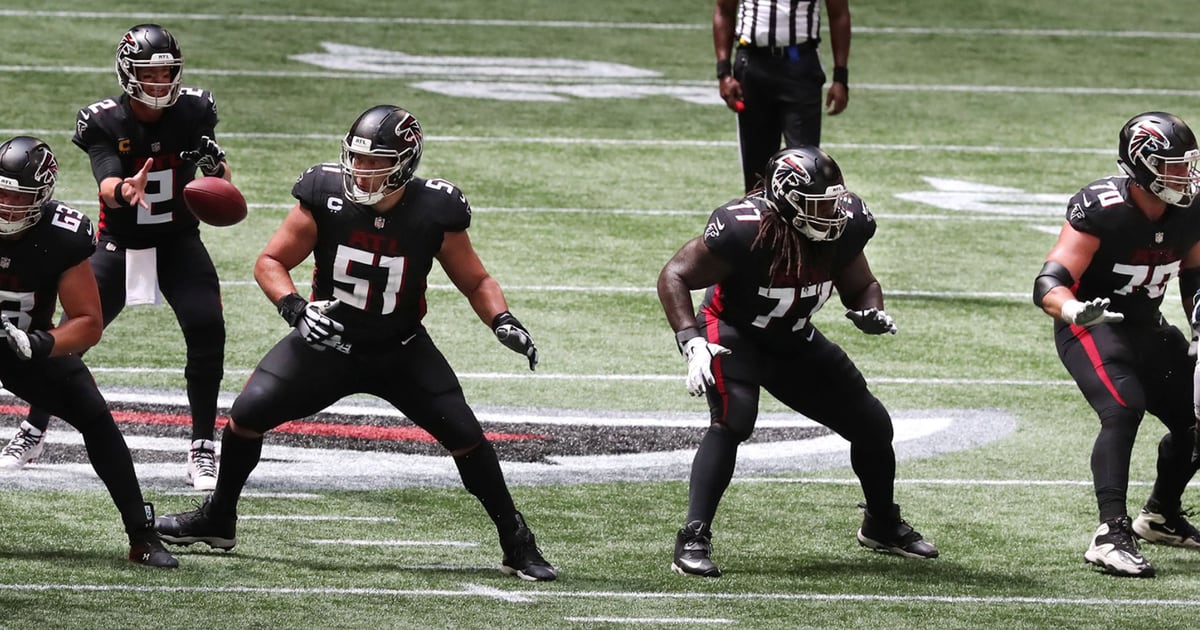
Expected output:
(1158, 237)
(380, 222)
(5, 262)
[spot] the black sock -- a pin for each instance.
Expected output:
(202, 398)
(39, 418)
(482, 477)
(239, 456)
(110, 459)
(875, 466)
(712, 469)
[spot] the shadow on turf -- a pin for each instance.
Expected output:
(875, 566)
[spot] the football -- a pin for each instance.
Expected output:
(215, 201)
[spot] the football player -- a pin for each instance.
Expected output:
(44, 250)
(1125, 238)
(374, 230)
(769, 261)
(144, 146)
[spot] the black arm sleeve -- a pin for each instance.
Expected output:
(105, 163)
(1052, 275)
(1189, 284)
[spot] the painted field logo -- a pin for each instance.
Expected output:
(530, 79)
(364, 445)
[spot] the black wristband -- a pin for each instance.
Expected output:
(40, 344)
(841, 74)
(505, 318)
(686, 335)
(724, 68)
(291, 308)
(119, 196)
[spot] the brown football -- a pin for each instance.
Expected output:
(215, 201)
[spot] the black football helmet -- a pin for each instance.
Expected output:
(805, 185)
(148, 46)
(382, 131)
(28, 167)
(1150, 143)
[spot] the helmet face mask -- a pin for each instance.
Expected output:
(380, 154)
(1159, 152)
(805, 186)
(28, 174)
(149, 47)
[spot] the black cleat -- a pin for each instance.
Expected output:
(146, 548)
(892, 534)
(693, 551)
(522, 557)
(1115, 550)
(199, 525)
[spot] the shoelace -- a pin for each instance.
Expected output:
(19, 444)
(206, 462)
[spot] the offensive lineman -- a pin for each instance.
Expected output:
(1125, 238)
(769, 261)
(374, 230)
(44, 250)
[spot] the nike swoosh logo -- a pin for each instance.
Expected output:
(811, 332)
(410, 338)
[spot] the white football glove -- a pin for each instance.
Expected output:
(873, 321)
(28, 345)
(1089, 313)
(319, 330)
(699, 354)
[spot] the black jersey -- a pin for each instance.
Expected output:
(108, 128)
(31, 265)
(1137, 257)
(377, 264)
(780, 306)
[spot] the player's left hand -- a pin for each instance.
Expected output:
(513, 335)
(28, 345)
(208, 157)
(873, 321)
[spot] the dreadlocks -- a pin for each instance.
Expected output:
(793, 255)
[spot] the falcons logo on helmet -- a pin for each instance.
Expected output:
(129, 45)
(1147, 138)
(47, 171)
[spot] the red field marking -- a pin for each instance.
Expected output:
(395, 434)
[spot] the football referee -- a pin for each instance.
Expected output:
(774, 81)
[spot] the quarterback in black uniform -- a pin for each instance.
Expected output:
(44, 250)
(1126, 237)
(144, 146)
(769, 261)
(374, 230)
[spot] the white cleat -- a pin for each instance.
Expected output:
(202, 465)
(25, 447)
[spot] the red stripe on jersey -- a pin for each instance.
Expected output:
(1089, 346)
(712, 334)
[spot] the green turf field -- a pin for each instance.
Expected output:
(580, 198)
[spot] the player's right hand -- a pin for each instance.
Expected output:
(1089, 313)
(320, 330)
(699, 354)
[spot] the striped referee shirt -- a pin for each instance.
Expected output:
(778, 23)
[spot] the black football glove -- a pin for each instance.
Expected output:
(512, 334)
(208, 157)
(28, 345)
(318, 329)
(872, 321)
